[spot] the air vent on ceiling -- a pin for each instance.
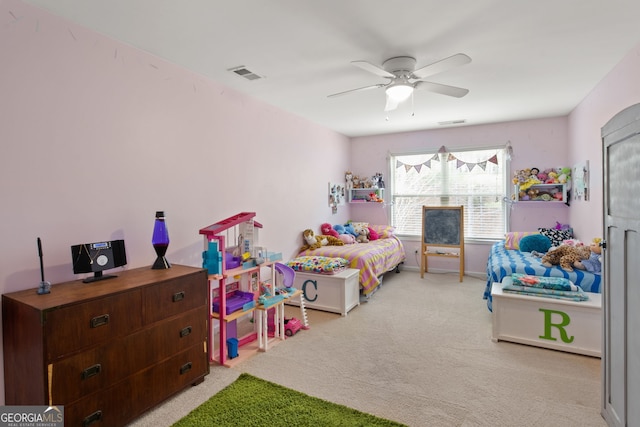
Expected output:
(452, 122)
(243, 71)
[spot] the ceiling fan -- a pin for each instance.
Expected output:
(404, 78)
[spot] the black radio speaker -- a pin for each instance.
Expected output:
(97, 257)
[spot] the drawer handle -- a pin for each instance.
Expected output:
(186, 331)
(91, 371)
(178, 296)
(96, 416)
(99, 320)
(185, 368)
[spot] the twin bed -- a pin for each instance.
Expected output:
(373, 259)
(504, 262)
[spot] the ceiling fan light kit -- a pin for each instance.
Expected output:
(404, 78)
(399, 92)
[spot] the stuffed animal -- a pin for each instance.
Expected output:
(373, 234)
(348, 176)
(313, 242)
(592, 264)
(348, 229)
(362, 236)
(328, 230)
(347, 239)
(566, 256)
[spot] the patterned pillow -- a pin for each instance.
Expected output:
(318, 264)
(384, 231)
(556, 236)
(512, 239)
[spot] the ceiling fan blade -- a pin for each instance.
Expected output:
(442, 65)
(454, 91)
(379, 85)
(373, 69)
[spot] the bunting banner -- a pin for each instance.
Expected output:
(450, 158)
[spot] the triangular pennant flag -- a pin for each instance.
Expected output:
(483, 165)
(494, 159)
(451, 157)
(459, 163)
(399, 163)
(442, 149)
(407, 168)
(435, 157)
(428, 163)
(418, 168)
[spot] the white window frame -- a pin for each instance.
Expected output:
(502, 182)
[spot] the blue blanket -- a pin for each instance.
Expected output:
(503, 262)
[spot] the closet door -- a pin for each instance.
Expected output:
(621, 294)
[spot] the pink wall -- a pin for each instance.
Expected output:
(617, 91)
(96, 136)
(541, 143)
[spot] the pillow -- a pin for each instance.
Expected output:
(318, 264)
(535, 242)
(384, 231)
(556, 236)
(357, 226)
(512, 239)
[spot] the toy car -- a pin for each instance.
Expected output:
(291, 326)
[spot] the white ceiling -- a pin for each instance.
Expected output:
(530, 58)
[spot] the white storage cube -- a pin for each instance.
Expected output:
(570, 326)
(337, 293)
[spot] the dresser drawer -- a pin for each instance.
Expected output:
(175, 296)
(76, 326)
(119, 404)
(94, 369)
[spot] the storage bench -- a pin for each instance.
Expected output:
(337, 293)
(571, 326)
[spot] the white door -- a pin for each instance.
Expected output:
(621, 294)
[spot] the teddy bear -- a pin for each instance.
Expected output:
(592, 264)
(327, 230)
(362, 236)
(566, 256)
(313, 242)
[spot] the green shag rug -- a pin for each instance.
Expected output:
(251, 401)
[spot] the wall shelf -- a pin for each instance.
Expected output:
(362, 195)
(542, 193)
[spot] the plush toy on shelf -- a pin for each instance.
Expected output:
(313, 242)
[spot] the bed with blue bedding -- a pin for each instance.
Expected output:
(504, 262)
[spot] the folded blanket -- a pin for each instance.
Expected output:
(509, 286)
(556, 283)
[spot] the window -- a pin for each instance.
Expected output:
(476, 179)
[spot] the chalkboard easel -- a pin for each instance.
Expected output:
(442, 235)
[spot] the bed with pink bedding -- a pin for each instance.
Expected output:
(373, 259)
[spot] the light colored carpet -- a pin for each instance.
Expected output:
(418, 352)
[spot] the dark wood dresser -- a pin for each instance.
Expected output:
(109, 350)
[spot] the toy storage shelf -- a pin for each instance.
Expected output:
(360, 195)
(544, 189)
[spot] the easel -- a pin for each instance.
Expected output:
(442, 227)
